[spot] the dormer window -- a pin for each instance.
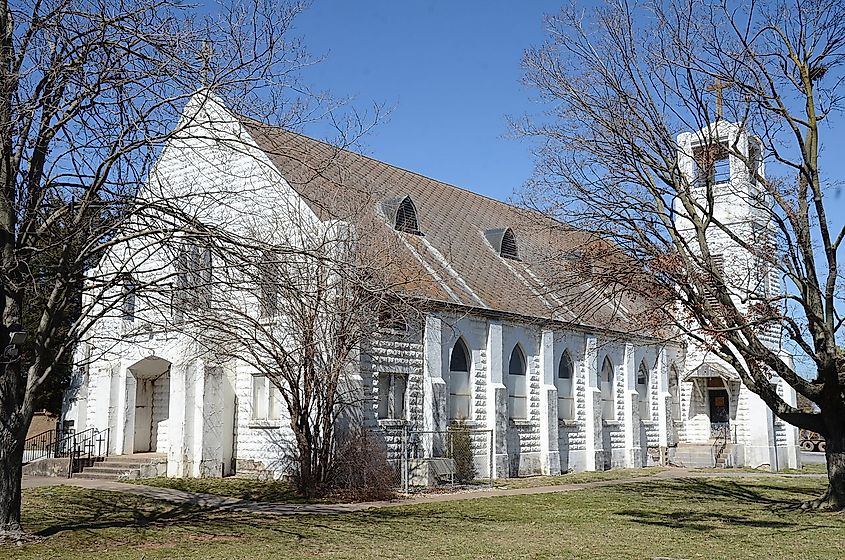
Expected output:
(406, 217)
(503, 242)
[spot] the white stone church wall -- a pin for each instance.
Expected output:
(523, 435)
(394, 351)
(264, 447)
(473, 331)
(572, 431)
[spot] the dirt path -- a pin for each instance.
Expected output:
(234, 504)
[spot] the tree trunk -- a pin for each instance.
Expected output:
(835, 455)
(304, 477)
(11, 455)
(15, 416)
(834, 497)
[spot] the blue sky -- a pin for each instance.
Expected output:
(449, 72)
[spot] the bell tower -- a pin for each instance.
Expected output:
(724, 177)
(723, 170)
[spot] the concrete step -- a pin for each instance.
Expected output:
(134, 459)
(122, 464)
(99, 468)
(119, 467)
(108, 474)
(91, 473)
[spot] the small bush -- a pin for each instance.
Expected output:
(361, 471)
(461, 447)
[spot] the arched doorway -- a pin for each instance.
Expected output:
(151, 408)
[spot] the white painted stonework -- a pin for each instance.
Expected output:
(155, 393)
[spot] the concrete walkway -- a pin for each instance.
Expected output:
(234, 504)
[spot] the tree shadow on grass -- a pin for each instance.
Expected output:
(89, 511)
(700, 521)
(732, 490)
(270, 491)
(729, 494)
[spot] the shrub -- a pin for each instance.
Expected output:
(361, 471)
(461, 449)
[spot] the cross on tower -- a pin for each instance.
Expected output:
(204, 56)
(718, 86)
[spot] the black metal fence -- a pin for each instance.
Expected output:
(42, 446)
(454, 458)
(81, 449)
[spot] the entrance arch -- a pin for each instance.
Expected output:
(146, 426)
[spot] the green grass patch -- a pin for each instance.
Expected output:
(576, 478)
(277, 491)
(690, 518)
(810, 468)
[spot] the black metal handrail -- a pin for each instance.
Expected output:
(84, 448)
(40, 446)
(720, 441)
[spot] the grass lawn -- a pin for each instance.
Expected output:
(576, 478)
(277, 491)
(809, 468)
(700, 518)
(283, 492)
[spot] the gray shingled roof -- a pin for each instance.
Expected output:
(454, 260)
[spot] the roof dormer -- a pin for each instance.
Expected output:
(402, 213)
(503, 242)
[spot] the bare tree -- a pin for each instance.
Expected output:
(297, 301)
(91, 91)
(752, 84)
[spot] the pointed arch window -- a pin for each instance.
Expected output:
(607, 383)
(460, 388)
(517, 384)
(643, 392)
(406, 217)
(128, 303)
(563, 381)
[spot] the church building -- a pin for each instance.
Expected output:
(498, 342)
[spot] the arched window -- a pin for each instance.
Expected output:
(517, 405)
(509, 249)
(128, 303)
(516, 365)
(643, 392)
(460, 389)
(563, 381)
(406, 217)
(607, 381)
(675, 394)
